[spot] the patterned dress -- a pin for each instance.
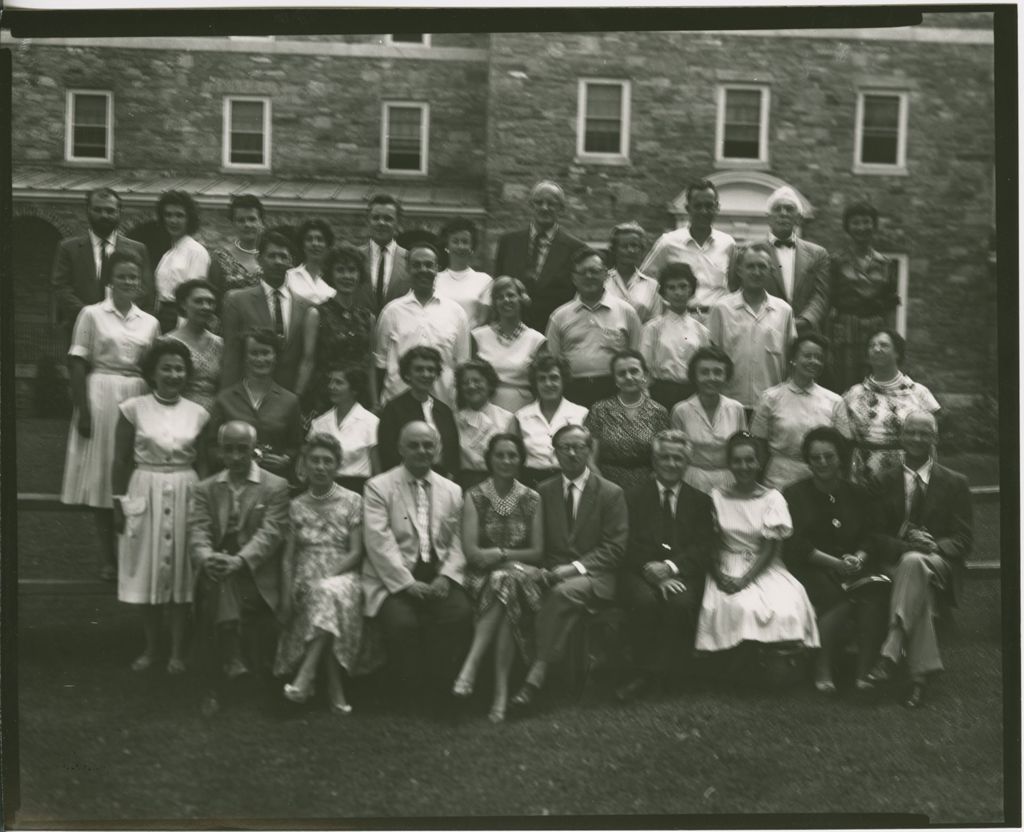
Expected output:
(205, 382)
(344, 339)
(233, 274)
(624, 437)
(506, 522)
(324, 600)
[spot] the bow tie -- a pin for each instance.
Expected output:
(784, 243)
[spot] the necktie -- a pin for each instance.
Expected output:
(278, 314)
(104, 277)
(534, 255)
(570, 514)
(380, 278)
(784, 243)
(917, 501)
(667, 519)
(423, 519)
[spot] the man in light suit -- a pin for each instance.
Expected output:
(585, 531)
(80, 273)
(414, 567)
(271, 305)
(925, 536)
(800, 273)
(238, 520)
(541, 255)
(385, 259)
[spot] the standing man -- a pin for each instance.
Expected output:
(540, 255)
(800, 270)
(414, 567)
(585, 532)
(80, 272)
(384, 257)
(926, 535)
(588, 331)
(421, 318)
(705, 249)
(271, 305)
(671, 536)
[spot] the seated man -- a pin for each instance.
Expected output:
(585, 531)
(662, 580)
(925, 536)
(238, 520)
(414, 566)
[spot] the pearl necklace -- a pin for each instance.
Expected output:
(325, 496)
(252, 251)
(637, 404)
(162, 400)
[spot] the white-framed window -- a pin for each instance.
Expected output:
(246, 132)
(902, 262)
(89, 126)
(741, 124)
(602, 120)
(880, 136)
(251, 37)
(404, 137)
(407, 39)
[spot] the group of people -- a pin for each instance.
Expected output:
(415, 467)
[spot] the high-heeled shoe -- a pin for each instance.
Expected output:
(463, 688)
(143, 662)
(175, 667)
(497, 714)
(825, 686)
(296, 694)
(342, 708)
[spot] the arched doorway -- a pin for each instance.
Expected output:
(33, 248)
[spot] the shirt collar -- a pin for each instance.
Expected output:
(924, 472)
(673, 490)
(389, 248)
(107, 304)
(689, 238)
(548, 235)
(410, 297)
(602, 301)
(412, 479)
(269, 290)
(252, 476)
(801, 391)
(580, 482)
(790, 239)
(94, 238)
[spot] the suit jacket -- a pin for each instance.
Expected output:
(398, 285)
(599, 535)
(278, 421)
(811, 284)
(401, 410)
(76, 284)
(694, 531)
(392, 541)
(263, 525)
(553, 286)
(947, 517)
(246, 309)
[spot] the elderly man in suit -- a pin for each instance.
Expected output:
(271, 305)
(386, 259)
(800, 270)
(925, 536)
(671, 536)
(585, 532)
(540, 255)
(80, 271)
(414, 567)
(238, 521)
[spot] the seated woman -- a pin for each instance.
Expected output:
(186, 259)
(477, 418)
(785, 412)
(832, 524)
(502, 537)
(749, 595)
(322, 592)
(264, 404)
(419, 367)
(197, 302)
(352, 425)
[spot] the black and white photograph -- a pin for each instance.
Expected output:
(547, 418)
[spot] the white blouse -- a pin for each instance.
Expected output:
(640, 292)
(187, 259)
(357, 434)
(669, 341)
(112, 342)
(538, 431)
(468, 288)
(476, 427)
(314, 289)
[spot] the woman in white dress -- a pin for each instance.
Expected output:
(458, 282)
(109, 340)
(156, 449)
(477, 418)
(313, 239)
(625, 281)
(708, 419)
(352, 425)
(186, 259)
(509, 345)
(749, 595)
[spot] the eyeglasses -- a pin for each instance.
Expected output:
(574, 449)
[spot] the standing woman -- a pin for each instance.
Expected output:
(477, 418)
(352, 425)
(466, 286)
(109, 340)
(623, 426)
(236, 266)
(154, 466)
(708, 419)
(509, 345)
(186, 259)
(626, 251)
(787, 411)
(196, 302)
(864, 296)
(872, 412)
(313, 239)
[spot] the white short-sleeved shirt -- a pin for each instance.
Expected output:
(538, 431)
(314, 289)
(357, 434)
(708, 260)
(187, 259)
(640, 292)
(669, 341)
(511, 361)
(112, 342)
(588, 337)
(468, 288)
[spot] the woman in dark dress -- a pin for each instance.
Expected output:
(829, 553)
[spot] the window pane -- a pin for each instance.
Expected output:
(91, 110)
(882, 111)
(603, 132)
(404, 149)
(741, 135)
(247, 133)
(880, 130)
(247, 116)
(89, 126)
(89, 143)
(743, 107)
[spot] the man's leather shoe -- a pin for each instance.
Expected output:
(915, 699)
(881, 672)
(525, 700)
(633, 689)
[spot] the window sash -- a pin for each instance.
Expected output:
(880, 130)
(89, 119)
(247, 139)
(741, 127)
(404, 139)
(603, 123)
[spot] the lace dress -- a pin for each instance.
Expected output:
(623, 435)
(205, 382)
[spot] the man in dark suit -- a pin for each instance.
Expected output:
(271, 305)
(925, 536)
(385, 259)
(585, 533)
(662, 580)
(541, 255)
(238, 520)
(80, 272)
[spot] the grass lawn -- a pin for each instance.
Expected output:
(101, 744)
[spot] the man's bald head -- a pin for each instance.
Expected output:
(918, 437)
(236, 431)
(921, 418)
(419, 445)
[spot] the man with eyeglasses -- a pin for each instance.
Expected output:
(585, 531)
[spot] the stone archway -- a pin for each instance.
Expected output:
(34, 243)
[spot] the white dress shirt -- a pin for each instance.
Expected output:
(187, 259)
(909, 484)
(709, 261)
(97, 258)
(286, 304)
(357, 434)
(787, 262)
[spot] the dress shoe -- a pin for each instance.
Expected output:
(143, 662)
(525, 700)
(915, 699)
(175, 667)
(634, 689)
(296, 694)
(825, 686)
(881, 672)
(463, 688)
(497, 714)
(209, 706)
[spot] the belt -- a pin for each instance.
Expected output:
(162, 469)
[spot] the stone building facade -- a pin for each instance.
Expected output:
(623, 119)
